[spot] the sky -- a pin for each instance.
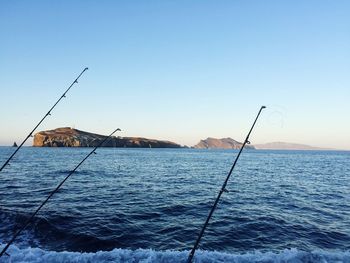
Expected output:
(178, 70)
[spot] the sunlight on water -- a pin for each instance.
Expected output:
(132, 200)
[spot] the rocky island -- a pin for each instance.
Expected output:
(69, 137)
(224, 143)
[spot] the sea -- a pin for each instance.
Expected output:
(148, 205)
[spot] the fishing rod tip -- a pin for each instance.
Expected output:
(263, 107)
(86, 68)
(118, 129)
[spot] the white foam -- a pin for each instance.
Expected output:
(37, 255)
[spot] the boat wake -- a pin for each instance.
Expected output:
(39, 255)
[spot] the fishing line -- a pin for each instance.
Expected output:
(222, 190)
(47, 114)
(52, 193)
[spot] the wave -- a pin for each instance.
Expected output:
(38, 255)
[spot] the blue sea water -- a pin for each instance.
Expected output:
(148, 205)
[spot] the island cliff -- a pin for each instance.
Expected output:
(224, 143)
(68, 137)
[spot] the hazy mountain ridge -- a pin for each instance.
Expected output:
(287, 146)
(229, 143)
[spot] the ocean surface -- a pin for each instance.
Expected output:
(148, 205)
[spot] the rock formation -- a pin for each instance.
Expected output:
(68, 137)
(224, 143)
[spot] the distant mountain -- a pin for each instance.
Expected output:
(224, 143)
(68, 137)
(286, 146)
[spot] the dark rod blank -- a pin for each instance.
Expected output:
(223, 189)
(47, 114)
(51, 194)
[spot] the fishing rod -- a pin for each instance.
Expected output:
(222, 190)
(47, 114)
(51, 194)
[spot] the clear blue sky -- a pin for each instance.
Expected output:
(179, 70)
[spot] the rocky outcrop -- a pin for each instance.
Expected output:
(68, 137)
(224, 143)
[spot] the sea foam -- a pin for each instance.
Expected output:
(38, 255)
